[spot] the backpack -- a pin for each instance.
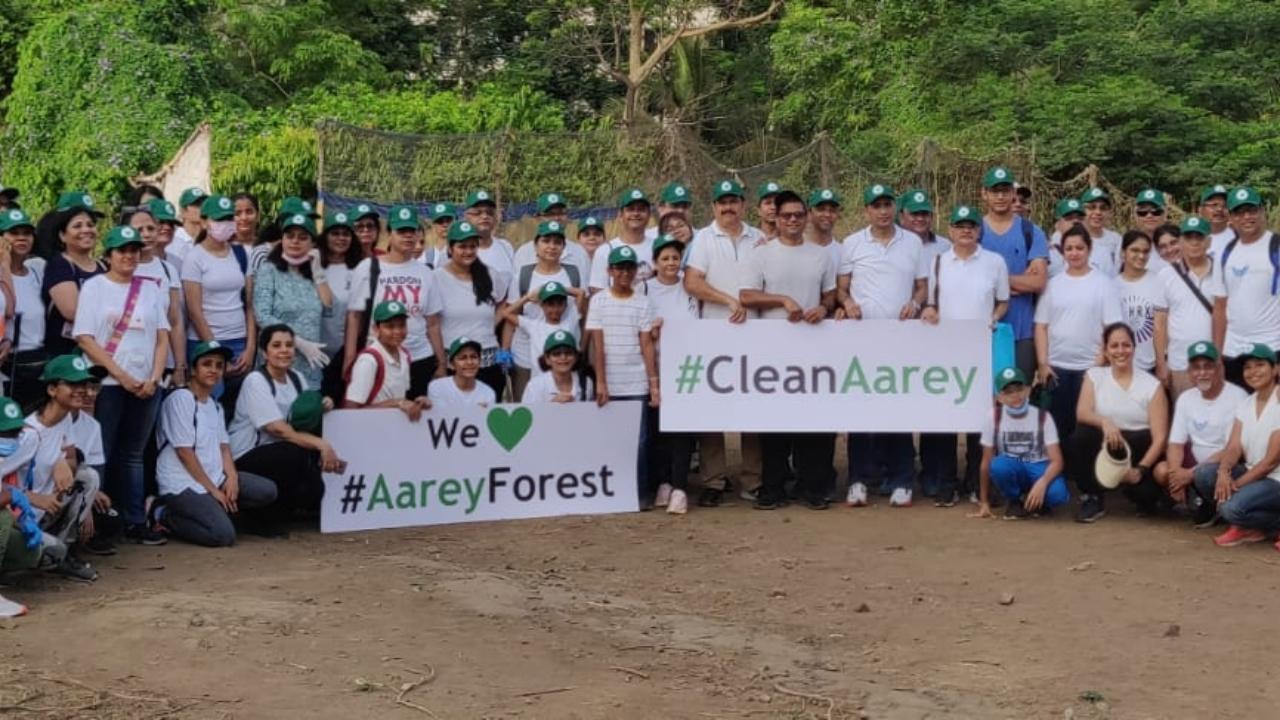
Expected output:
(375, 270)
(1041, 413)
(526, 277)
(195, 414)
(380, 371)
(294, 379)
(1273, 251)
(1028, 233)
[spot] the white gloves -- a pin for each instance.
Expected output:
(312, 351)
(318, 274)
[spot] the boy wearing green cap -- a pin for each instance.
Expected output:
(1025, 251)
(1247, 302)
(1213, 208)
(482, 212)
(525, 330)
(1021, 453)
(635, 210)
(380, 376)
(1189, 286)
(766, 208)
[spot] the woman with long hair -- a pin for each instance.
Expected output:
(472, 298)
(340, 253)
(1143, 304)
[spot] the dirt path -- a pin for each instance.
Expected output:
(728, 613)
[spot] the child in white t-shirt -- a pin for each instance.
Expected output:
(380, 375)
(533, 331)
(563, 379)
(462, 387)
(1021, 453)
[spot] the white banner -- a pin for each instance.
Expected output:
(473, 464)
(856, 375)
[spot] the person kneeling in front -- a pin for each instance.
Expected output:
(462, 386)
(1021, 453)
(200, 489)
(380, 374)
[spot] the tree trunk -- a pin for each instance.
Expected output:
(635, 60)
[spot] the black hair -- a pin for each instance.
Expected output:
(1165, 229)
(670, 217)
(128, 211)
(1106, 332)
(354, 253)
(481, 281)
(1077, 230)
(264, 230)
(276, 258)
(135, 196)
(264, 337)
(788, 196)
(1132, 237)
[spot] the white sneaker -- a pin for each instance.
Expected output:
(900, 498)
(679, 503)
(857, 496)
(664, 495)
(9, 608)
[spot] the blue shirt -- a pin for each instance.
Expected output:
(1012, 246)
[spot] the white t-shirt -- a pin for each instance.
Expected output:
(333, 327)
(968, 288)
(574, 254)
(1205, 425)
(462, 316)
(1140, 300)
(1253, 313)
(206, 436)
(499, 256)
(1255, 432)
(532, 334)
(165, 275)
(670, 302)
(600, 263)
(86, 434)
(883, 275)
(1219, 240)
(258, 407)
(622, 320)
(180, 246)
(1018, 435)
(542, 389)
(723, 260)
(525, 355)
(445, 392)
(801, 272)
(930, 250)
(1076, 309)
(30, 306)
(221, 284)
(395, 376)
(53, 447)
(1105, 253)
(1189, 321)
(1126, 408)
(413, 284)
(100, 307)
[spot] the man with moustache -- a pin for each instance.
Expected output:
(1213, 208)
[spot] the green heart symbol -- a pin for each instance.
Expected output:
(509, 428)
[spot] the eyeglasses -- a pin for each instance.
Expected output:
(791, 216)
(1147, 213)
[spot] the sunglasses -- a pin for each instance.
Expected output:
(1147, 213)
(791, 216)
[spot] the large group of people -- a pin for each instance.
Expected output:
(169, 377)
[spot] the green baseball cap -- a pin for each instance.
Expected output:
(1242, 196)
(163, 211)
(665, 240)
(730, 188)
(560, 339)
(402, 216)
(824, 195)
(546, 201)
(480, 197)
(622, 255)
(456, 346)
(294, 205)
(1068, 206)
(1094, 193)
(590, 221)
(192, 196)
(676, 193)
(1202, 349)
(768, 188)
(874, 192)
(632, 195)
(1214, 191)
(15, 218)
(211, 347)
(71, 369)
(362, 211)
(78, 200)
(307, 411)
(120, 236)
(914, 201)
(338, 218)
(998, 175)
(442, 210)
(1194, 224)
(389, 310)
(550, 290)
(217, 207)
(11, 415)
(1260, 352)
(550, 227)
(1150, 196)
(462, 230)
(299, 221)
(1010, 376)
(965, 214)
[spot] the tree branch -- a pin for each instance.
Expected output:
(666, 42)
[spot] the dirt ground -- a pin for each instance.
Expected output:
(728, 613)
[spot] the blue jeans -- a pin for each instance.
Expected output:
(1255, 506)
(127, 423)
(1015, 478)
(894, 449)
(1065, 398)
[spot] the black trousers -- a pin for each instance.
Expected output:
(1234, 367)
(812, 454)
(495, 377)
(420, 375)
(1085, 443)
(670, 454)
(296, 472)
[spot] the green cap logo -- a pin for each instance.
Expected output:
(440, 207)
(826, 195)
(298, 219)
(88, 201)
(340, 217)
(558, 335)
(726, 186)
(1219, 188)
(404, 213)
(551, 287)
(213, 345)
(625, 252)
(877, 189)
(128, 233)
(553, 226)
(771, 187)
(1073, 204)
(1148, 195)
(223, 203)
(306, 206)
(636, 195)
(464, 226)
(15, 214)
(1008, 373)
(553, 198)
(1201, 347)
(395, 307)
(362, 208)
(999, 174)
(919, 197)
(80, 364)
(1193, 222)
(1242, 194)
(11, 411)
(591, 221)
(482, 195)
(962, 212)
(679, 191)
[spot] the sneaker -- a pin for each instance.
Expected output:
(74, 569)
(1204, 514)
(749, 495)
(857, 496)
(10, 609)
(710, 497)
(678, 503)
(144, 535)
(1015, 510)
(1091, 509)
(98, 545)
(766, 501)
(974, 499)
(1236, 535)
(901, 497)
(817, 503)
(664, 495)
(947, 499)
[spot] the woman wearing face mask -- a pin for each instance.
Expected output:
(26, 330)
(473, 299)
(291, 288)
(121, 325)
(340, 253)
(76, 222)
(1142, 303)
(214, 282)
(169, 280)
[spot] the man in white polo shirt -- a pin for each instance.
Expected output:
(965, 283)
(713, 275)
(882, 276)
(1247, 307)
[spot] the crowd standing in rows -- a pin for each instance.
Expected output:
(170, 377)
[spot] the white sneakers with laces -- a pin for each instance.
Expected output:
(10, 609)
(857, 496)
(664, 495)
(678, 504)
(901, 497)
